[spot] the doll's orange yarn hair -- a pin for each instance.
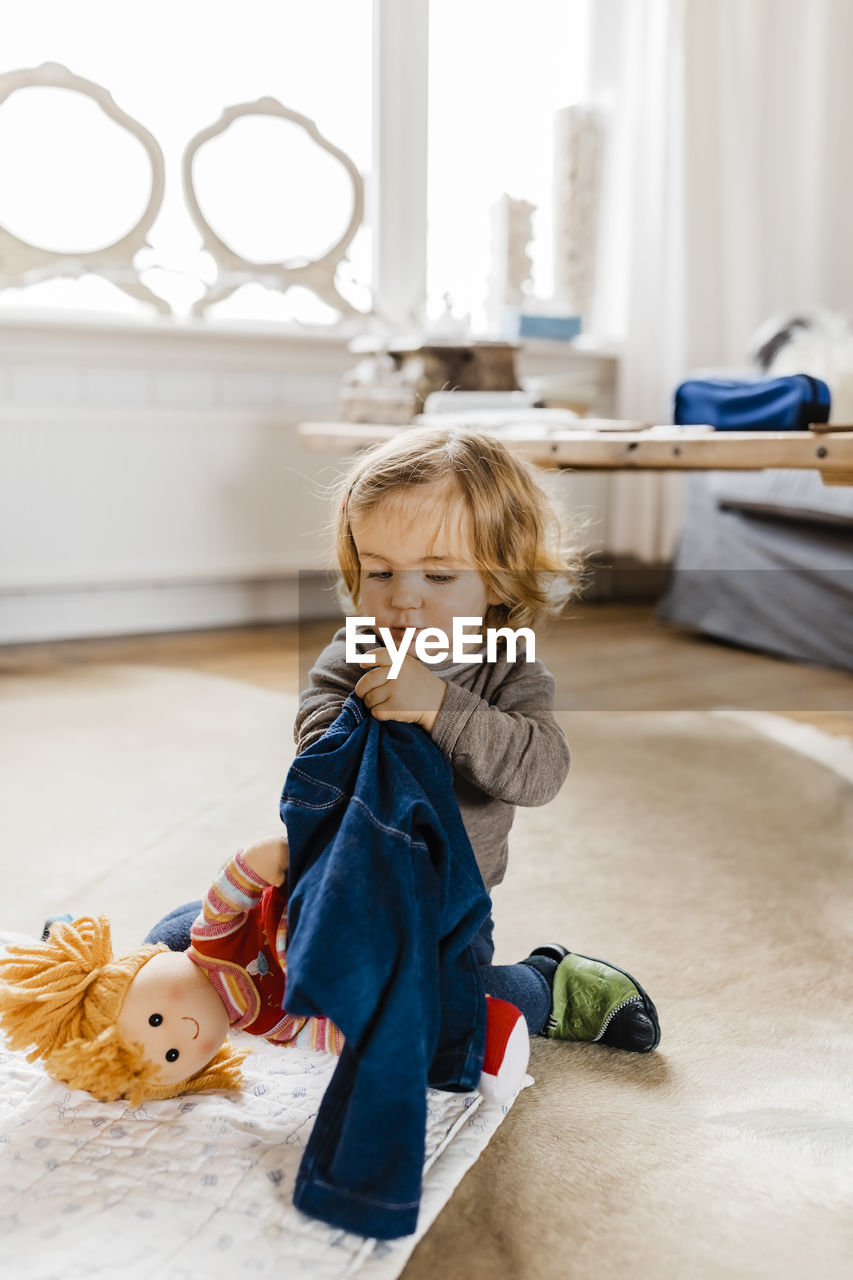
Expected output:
(60, 1000)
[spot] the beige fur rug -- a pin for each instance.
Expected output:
(689, 848)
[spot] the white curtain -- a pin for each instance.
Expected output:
(728, 196)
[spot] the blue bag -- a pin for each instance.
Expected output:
(763, 404)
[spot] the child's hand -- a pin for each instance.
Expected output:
(414, 697)
(268, 858)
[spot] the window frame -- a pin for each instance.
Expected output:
(398, 210)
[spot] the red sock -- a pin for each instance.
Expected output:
(507, 1051)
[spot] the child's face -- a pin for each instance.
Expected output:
(416, 567)
(172, 1010)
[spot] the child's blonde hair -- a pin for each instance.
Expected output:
(514, 535)
(61, 999)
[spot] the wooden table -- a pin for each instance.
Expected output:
(658, 449)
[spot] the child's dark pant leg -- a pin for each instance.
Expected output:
(521, 985)
(174, 929)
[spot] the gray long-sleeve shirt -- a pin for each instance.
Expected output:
(496, 723)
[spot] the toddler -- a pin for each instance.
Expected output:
(443, 523)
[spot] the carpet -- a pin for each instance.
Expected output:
(695, 849)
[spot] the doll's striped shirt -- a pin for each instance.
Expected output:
(240, 940)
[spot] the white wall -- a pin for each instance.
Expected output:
(152, 478)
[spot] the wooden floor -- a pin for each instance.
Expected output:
(603, 656)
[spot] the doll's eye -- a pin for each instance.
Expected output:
(155, 1019)
(172, 1055)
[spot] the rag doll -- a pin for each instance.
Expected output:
(154, 1023)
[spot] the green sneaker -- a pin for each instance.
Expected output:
(598, 1003)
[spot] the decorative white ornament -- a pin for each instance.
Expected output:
(578, 144)
(22, 263)
(318, 275)
(511, 263)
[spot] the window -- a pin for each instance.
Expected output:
(498, 72)
(74, 180)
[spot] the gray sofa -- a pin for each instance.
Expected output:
(765, 560)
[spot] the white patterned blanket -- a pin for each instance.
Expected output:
(198, 1186)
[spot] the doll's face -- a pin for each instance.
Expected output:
(172, 1010)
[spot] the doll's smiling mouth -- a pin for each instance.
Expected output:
(195, 1037)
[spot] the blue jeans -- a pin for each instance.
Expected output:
(388, 935)
(522, 986)
(384, 900)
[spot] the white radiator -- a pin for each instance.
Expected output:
(102, 508)
(118, 520)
